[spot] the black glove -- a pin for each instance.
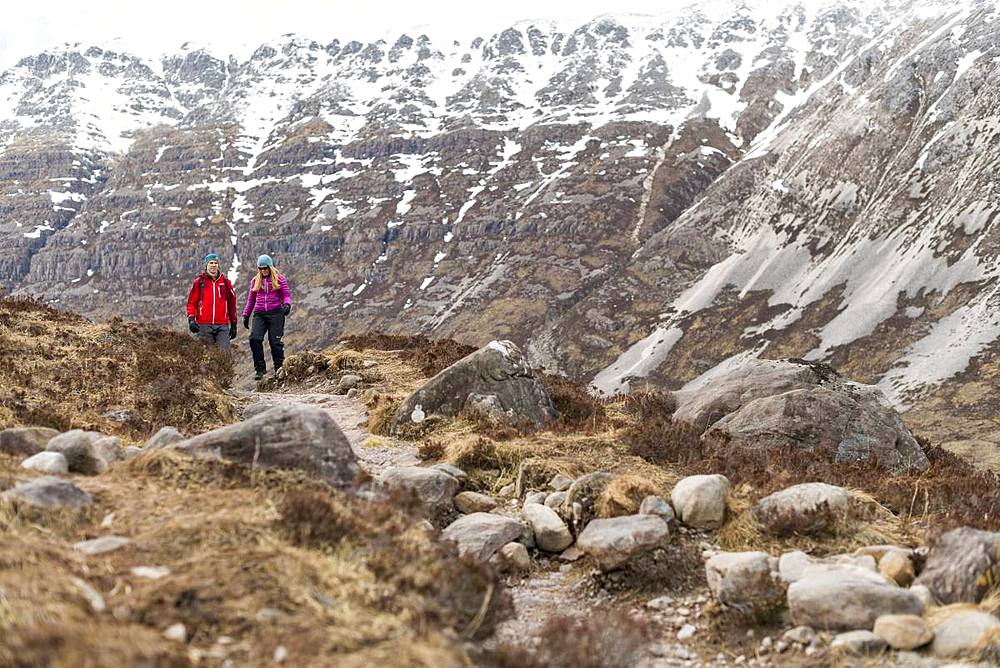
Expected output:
(192, 325)
(286, 309)
(232, 331)
(246, 322)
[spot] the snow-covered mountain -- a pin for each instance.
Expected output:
(634, 199)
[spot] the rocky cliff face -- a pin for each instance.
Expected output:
(632, 199)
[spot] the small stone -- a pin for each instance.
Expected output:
(474, 502)
(47, 462)
(903, 631)
(507, 491)
(565, 568)
(434, 488)
(700, 500)
(177, 632)
(452, 470)
(660, 603)
(108, 521)
(571, 554)
(560, 482)
(351, 394)
(48, 492)
(280, 654)
(480, 535)
(687, 631)
(348, 381)
(535, 497)
(151, 572)
(858, 643)
(165, 437)
(268, 615)
(93, 597)
(555, 500)
(368, 364)
(847, 598)
(100, 545)
(803, 635)
(514, 558)
(551, 533)
(745, 581)
(614, 541)
(654, 505)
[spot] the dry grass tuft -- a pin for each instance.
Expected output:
(624, 494)
(64, 372)
(430, 356)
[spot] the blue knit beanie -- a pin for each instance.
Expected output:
(265, 261)
(210, 257)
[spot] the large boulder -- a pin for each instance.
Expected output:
(700, 500)
(435, 488)
(86, 452)
(550, 532)
(48, 492)
(811, 507)
(963, 633)
(500, 370)
(962, 565)
(765, 404)
(847, 598)
(480, 535)
(25, 441)
(294, 436)
(613, 542)
(747, 582)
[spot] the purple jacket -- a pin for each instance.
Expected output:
(268, 299)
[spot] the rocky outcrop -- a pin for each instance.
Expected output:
(48, 492)
(788, 404)
(498, 370)
(961, 565)
(295, 437)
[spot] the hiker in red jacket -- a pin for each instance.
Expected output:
(211, 307)
(268, 302)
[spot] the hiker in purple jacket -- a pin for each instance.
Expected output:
(269, 301)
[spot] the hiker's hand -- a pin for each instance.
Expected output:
(246, 322)
(286, 309)
(232, 331)
(192, 325)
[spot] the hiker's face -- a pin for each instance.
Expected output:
(213, 266)
(265, 270)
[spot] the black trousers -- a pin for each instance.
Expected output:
(273, 324)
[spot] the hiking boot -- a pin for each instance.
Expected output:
(259, 376)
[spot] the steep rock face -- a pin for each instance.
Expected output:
(631, 199)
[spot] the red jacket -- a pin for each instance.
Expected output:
(212, 302)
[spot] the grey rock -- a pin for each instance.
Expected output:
(164, 437)
(255, 409)
(100, 545)
(535, 497)
(514, 559)
(808, 508)
(961, 564)
(452, 470)
(654, 505)
(903, 631)
(507, 491)
(792, 565)
(858, 643)
(434, 488)
(802, 635)
(294, 437)
(349, 381)
(962, 632)
(48, 492)
(613, 542)
(845, 598)
(560, 482)
(555, 500)
(551, 533)
(747, 582)
(498, 369)
(487, 406)
(47, 462)
(25, 441)
(700, 500)
(85, 451)
(480, 535)
(474, 502)
(769, 404)
(131, 452)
